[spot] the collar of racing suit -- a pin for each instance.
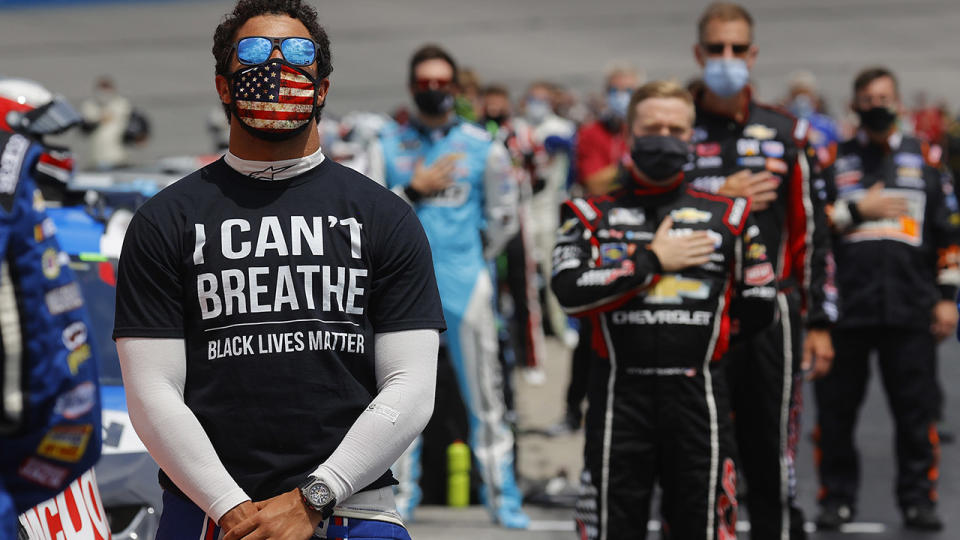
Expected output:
(434, 133)
(646, 192)
(741, 117)
(893, 141)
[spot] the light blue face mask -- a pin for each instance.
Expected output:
(537, 110)
(618, 101)
(726, 76)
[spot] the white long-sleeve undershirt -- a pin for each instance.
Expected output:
(154, 375)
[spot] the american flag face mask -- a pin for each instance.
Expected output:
(274, 100)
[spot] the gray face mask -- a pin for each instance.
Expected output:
(537, 110)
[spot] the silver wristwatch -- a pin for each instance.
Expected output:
(317, 496)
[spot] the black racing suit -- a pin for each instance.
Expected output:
(765, 375)
(658, 404)
(890, 273)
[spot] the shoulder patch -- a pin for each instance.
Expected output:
(475, 131)
(585, 209)
(800, 129)
(737, 213)
(11, 162)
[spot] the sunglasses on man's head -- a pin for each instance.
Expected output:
(717, 48)
(257, 50)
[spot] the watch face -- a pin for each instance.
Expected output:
(318, 494)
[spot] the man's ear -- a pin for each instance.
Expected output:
(223, 89)
(699, 55)
(323, 88)
(752, 56)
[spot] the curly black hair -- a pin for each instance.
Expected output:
(225, 34)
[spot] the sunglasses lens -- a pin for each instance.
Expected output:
(299, 51)
(254, 50)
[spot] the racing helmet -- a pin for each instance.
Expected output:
(27, 107)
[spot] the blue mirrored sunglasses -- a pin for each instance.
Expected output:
(257, 50)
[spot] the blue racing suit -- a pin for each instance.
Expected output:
(479, 208)
(50, 429)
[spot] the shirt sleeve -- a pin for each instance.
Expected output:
(149, 283)
(591, 154)
(945, 218)
(753, 308)
(585, 286)
(404, 293)
(501, 200)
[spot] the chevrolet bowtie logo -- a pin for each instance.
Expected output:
(269, 173)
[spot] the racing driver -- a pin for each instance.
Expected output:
(277, 313)
(665, 272)
(745, 149)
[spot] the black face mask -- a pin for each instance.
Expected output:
(497, 119)
(877, 119)
(659, 157)
(433, 102)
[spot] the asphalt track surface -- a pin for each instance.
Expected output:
(159, 54)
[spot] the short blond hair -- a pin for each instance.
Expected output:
(723, 11)
(659, 89)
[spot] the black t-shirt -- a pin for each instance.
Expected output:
(277, 288)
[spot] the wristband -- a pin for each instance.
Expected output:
(412, 194)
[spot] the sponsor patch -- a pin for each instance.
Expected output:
(566, 264)
(752, 161)
(759, 132)
(77, 357)
(50, 262)
(612, 253)
(709, 162)
(800, 131)
(610, 233)
(11, 161)
(65, 443)
(672, 289)
(454, 195)
(680, 317)
(626, 216)
(761, 274)
(690, 215)
(777, 166)
(772, 149)
(77, 401)
(911, 182)
(605, 276)
(663, 372)
(848, 179)
(748, 147)
(710, 184)
(736, 212)
(588, 212)
(699, 134)
(757, 252)
(45, 229)
(74, 335)
(908, 160)
(39, 204)
(45, 474)
(708, 149)
(64, 299)
(638, 235)
(912, 172)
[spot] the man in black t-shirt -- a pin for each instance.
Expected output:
(277, 314)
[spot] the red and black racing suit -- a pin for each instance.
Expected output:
(890, 274)
(764, 372)
(658, 404)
